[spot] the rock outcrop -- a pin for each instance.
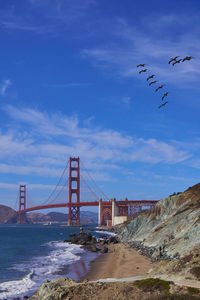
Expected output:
(170, 230)
(55, 289)
(89, 242)
(150, 288)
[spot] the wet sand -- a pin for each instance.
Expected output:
(121, 261)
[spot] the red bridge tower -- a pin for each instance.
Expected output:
(22, 204)
(74, 191)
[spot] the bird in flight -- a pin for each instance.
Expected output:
(141, 65)
(187, 58)
(177, 62)
(163, 104)
(144, 70)
(151, 76)
(160, 87)
(173, 59)
(165, 95)
(153, 82)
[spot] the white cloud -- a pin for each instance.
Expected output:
(195, 163)
(133, 46)
(12, 145)
(53, 138)
(56, 17)
(155, 151)
(4, 86)
(126, 100)
(25, 170)
(9, 186)
(13, 186)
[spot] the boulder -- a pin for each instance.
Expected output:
(104, 250)
(113, 240)
(72, 234)
(83, 238)
(92, 248)
(55, 289)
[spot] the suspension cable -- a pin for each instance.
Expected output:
(57, 184)
(16, 202)
(95, 182)
(89, 188)
(65, 184)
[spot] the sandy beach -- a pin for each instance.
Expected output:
(120, 261)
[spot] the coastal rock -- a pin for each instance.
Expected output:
(172, 226)
(92, 248)
(150, 288)
(168, 231)
(55, 289)
(83, 238)
(104, 250)
(109, 240)
(72, 234)
(113, 240)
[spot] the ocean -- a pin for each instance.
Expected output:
(32, 254)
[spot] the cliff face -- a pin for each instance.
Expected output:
(171, 229)
(7, 215)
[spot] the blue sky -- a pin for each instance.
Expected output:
(69, 86)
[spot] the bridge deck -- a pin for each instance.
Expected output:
(95, 203)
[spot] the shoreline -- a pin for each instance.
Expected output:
(120, 261)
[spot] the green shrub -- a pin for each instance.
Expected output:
(193, 290)
(152, 284)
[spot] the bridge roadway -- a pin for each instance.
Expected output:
(95, 203)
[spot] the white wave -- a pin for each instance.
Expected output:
(42, 268)
(106, 232)
(17, 287)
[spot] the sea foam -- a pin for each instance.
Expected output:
(40, 269)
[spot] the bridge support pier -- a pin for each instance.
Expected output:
(21, 219)
(105, 213)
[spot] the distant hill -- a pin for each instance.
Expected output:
(35, 217)
(9, 215)
(87, 217)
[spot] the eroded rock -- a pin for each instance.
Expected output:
(55, 289)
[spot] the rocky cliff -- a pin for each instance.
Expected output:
(170, 231)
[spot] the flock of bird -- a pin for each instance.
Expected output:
(174, 61)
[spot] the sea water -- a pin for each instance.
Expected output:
(32, 254)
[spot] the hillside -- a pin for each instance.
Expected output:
(7, 214)
(87, 217)
(170, 231)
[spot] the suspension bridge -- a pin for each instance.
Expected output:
(75, 189)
